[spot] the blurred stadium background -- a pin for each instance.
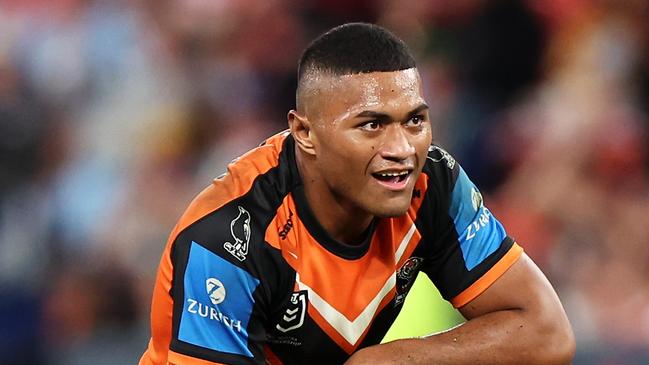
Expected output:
(114, 113)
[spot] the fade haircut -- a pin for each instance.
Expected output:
(355, 48)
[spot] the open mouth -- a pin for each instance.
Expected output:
(394, 180)
(393, 177)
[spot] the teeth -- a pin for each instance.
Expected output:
(392, 174)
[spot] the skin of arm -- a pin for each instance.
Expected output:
(517, 320)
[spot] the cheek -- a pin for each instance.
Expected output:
(421, 145)
(332, 158)
(345, 154)
(423, 140)
(345, 164)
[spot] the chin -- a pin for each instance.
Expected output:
(388, 206)
(392, 211)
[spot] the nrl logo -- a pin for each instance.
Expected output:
(240, 229)
(450, 161)
(294, 316)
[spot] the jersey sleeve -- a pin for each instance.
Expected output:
(470, 247)
(217, 278)
(211, 309)
(214, 300)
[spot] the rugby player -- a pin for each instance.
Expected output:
(305, 249)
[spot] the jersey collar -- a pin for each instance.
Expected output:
(346, 251)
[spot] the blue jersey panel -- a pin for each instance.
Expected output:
(218, 303)
(479, 233)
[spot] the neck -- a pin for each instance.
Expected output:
(342, 221)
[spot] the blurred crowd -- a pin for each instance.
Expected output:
(115, 113)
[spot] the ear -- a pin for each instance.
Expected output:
(301, 130)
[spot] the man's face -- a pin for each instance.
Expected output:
(371, 134)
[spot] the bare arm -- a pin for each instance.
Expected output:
(518, 320)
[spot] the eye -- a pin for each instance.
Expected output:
(371, 125)
(416, 120)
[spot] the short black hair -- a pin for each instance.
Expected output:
(356, 48)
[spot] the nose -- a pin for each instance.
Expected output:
(396, 144)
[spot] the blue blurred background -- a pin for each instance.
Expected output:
(115, 113)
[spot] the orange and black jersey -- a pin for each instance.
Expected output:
(249, 276)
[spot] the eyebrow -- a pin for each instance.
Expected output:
(383, 116)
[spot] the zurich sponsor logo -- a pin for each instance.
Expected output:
(469, 213)
(197, 308)
(481, 221)
(215, 290)
(216, 293)
(479, 232)
(476, 199)
(218, 303)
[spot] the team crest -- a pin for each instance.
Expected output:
(240, 229)
(405, 278)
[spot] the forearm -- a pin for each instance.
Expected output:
(517, 320)
(502, 337)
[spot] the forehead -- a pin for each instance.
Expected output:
(366, 91)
